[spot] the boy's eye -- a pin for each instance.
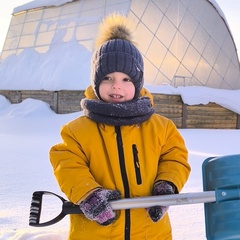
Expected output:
(127, 80)
(106, 78)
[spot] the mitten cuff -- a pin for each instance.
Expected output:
(163, 188)
(86, 195)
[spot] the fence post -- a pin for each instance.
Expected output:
(184, 115)
(55, 101)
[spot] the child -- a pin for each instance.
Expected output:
(120, 148)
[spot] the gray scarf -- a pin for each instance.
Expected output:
(118, 114)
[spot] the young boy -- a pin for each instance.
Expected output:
(120, 148)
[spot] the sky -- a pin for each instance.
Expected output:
(230, 8)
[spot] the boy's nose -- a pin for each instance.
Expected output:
(116, 85)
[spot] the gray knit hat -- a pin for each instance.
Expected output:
(117, 54)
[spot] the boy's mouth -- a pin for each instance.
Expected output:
(116, 96)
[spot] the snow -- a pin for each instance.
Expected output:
(194, 95)
(39, 3)
(219, 10)
(65, 66)
(27, 131)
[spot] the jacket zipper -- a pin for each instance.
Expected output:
(136, 164)
(124, 179)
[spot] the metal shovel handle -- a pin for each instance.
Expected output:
(127, 203)
(164, 200)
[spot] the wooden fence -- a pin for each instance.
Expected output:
(211, 116)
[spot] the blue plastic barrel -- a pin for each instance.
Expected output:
(222, 219)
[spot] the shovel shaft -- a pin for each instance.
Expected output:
(164, 200)
(126, 203)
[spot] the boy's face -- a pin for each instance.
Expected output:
(116, 87)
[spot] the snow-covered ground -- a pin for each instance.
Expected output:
(30, 128)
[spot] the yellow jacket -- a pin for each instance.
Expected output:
(88, 158)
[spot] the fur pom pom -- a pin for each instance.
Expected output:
(114, 26)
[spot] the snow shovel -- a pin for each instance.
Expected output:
(214, 196)
(222, 218)
(127, 203)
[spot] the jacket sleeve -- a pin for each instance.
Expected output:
(70, 167)
(173, 161)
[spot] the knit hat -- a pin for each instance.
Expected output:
(116, 53)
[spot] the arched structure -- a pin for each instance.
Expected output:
(184, 42)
